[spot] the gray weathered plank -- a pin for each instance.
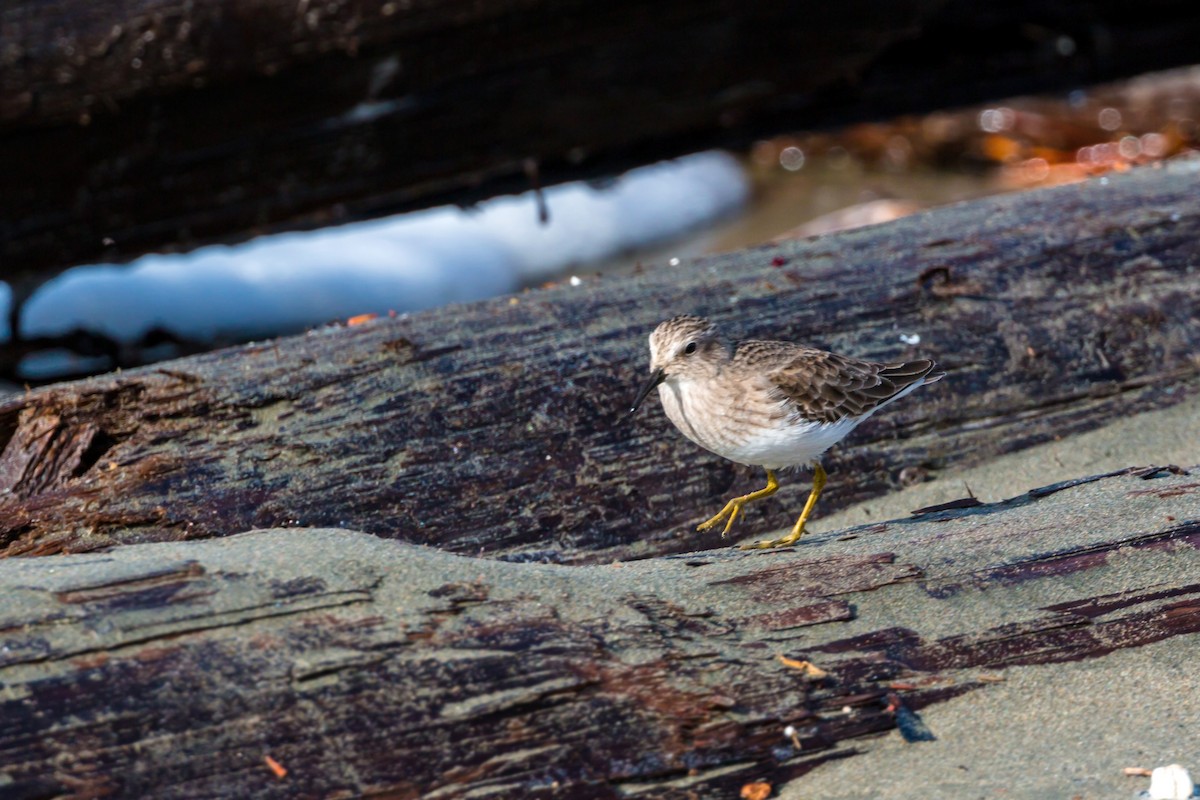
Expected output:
(368, 667)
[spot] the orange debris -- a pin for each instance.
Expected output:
(759, 790)
(279, 770)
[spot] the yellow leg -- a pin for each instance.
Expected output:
(798, 528)
(734, 506)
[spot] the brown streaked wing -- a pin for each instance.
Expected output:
(827, 387)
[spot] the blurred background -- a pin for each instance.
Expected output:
(179, 176)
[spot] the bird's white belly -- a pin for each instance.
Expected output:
(749, 435)
(794, 445)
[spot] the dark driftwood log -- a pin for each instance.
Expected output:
(498, 428)
(126, 126)
(215, 117)
(372, 668)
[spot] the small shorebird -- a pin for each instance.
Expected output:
(767, 404)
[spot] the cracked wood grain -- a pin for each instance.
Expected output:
(499, 428)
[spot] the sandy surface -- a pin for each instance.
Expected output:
(1048, 732)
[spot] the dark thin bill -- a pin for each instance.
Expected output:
(656, 377)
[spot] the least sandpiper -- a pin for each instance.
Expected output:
(768, 404)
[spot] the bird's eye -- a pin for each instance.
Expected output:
(691, 348)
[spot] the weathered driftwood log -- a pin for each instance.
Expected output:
(362, 667)
(130, 125)
(499, 428)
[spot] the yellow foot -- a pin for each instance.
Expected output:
(782, 541)
(797, 529)
(734, 506)
(731, 510)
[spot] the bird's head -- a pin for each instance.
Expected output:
(682, 347)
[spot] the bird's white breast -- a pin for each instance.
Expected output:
(747, 426)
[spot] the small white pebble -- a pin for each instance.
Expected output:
(910, 338)
(791, 733)
(674, 262)
(575, 280)
(1171, 783)
(847, 709)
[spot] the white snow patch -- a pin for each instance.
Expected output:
(445, 255)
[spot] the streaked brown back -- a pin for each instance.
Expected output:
(826, 387)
